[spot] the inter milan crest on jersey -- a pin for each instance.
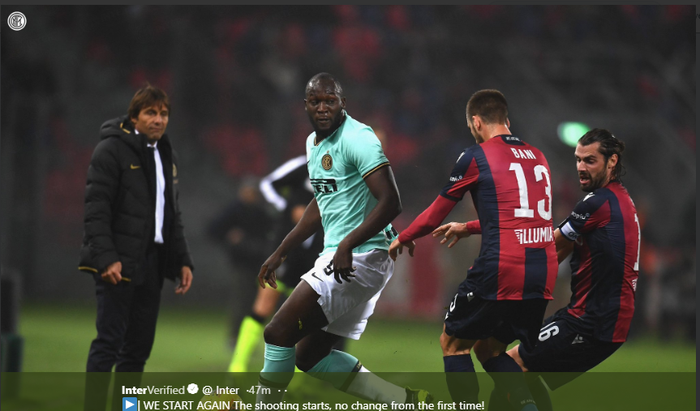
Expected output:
(327, 162)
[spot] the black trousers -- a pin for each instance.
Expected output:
(126, 327)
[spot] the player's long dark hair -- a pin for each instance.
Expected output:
(609, 145)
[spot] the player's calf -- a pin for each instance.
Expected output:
(514, 353)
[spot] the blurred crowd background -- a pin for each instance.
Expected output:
(236, 76)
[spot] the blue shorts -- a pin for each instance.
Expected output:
(565, 348)
(473, 318)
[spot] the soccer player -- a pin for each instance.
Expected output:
(355, 200)
(603, 234)
(507, 289)
(288, 189)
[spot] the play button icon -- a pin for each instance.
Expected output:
(129, 403)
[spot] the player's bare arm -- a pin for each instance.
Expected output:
(383, 187)
(310, 223)
(564, 246)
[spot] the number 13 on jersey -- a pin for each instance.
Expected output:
(544, 208)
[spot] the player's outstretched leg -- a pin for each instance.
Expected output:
(346, 373)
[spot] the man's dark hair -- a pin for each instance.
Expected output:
(609, 145)
(147, 96)
(490, 105)
(324, 77)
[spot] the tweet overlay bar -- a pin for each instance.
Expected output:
(228, 391)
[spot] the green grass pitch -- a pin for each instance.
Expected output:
(57, 339)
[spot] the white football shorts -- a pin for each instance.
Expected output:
(347, 306)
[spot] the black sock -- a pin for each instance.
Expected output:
(539, 392)
(508, 378)
(501, 363)
(498, 402)
(461, 378)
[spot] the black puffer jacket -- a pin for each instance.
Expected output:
(120, 205)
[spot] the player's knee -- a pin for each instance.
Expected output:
(444, 343)
(451, 346)
(274, 334)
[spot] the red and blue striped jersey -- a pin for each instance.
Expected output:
(605, 261)
(509, 181)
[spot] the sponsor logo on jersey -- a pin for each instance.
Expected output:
(580, 216)
(324, 185)
(534, 235)
(634, 284)
(456, 178)
(326, 161)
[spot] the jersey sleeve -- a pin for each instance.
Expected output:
(464, 176)
(590, 213)
(428, 220)
(293, 173)
(365, 152)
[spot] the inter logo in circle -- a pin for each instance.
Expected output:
(17, 21)
(327, 162)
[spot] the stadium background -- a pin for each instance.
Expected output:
(235, 76)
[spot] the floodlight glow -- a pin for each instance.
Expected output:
(570, 131)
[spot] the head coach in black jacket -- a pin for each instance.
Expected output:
(134, 236)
